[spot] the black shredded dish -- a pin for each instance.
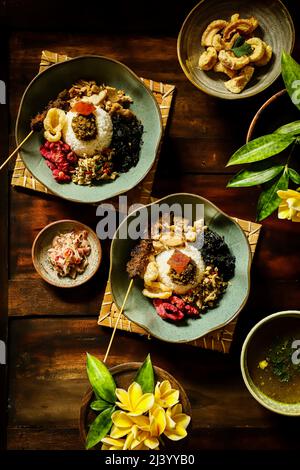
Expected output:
(126, 142)
(215, 252)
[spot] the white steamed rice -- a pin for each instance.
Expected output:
(90, 147)
(164, 268)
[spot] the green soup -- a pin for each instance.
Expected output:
(273, 357)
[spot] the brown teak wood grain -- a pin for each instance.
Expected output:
(50, 330)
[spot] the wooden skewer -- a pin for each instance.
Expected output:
(118, 319)
(15, 151)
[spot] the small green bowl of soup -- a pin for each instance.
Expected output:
(270, 362)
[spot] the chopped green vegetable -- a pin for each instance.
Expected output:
(240, 47)
(280, 360)
(238, 42)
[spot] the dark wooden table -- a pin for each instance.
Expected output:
(50, 330)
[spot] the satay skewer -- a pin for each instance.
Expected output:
(16, 149)
(117, 321)
(61, 102)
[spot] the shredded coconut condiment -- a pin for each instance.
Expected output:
(69, 252)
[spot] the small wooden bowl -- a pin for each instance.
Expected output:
(124, 375)
(43, 242)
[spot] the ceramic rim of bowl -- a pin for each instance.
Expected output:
(245, 372)
(58, 64)
(261, 110)
(236, 313)
(45, 229)
(205, 90)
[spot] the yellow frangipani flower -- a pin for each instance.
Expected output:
(150, 442)
(157, 421)
(124, 421)
(290, 205)
(136, 439)
(112, 444)
(176, 423)
(165, 395)
(134, 401)
(144, 418)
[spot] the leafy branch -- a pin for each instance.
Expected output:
(258, 153)
(104, 388)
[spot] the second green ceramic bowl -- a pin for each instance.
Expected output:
(259, 333)
(56, 78)
(276, 28)
(139, 309)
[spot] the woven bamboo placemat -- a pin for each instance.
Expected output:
(163, 93)
(219, 340)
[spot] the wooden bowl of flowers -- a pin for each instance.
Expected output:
(133, 406)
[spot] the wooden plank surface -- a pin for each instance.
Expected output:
(50, 372)
(50, 329)
(3, 234)
(274, 261)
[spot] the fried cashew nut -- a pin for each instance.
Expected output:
(228, 59)
(96, 99)
(219, 67)
(258, 49)
(237, 50)
(229, 44)
(218, 42)
(208, 59)
(172, 240)
(266, 57)
(237, 84)
(245, 26)
(234, 17)
(212, 29)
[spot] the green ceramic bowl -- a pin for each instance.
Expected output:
(276, 28)
(139, 309)
(49, 83)
(263, 331)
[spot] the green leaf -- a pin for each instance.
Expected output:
(239, 41)
(101, 379)
(244, 49)
(294, 175)
(100, 405)
(145, 376)
(247, 178)
(269, 201)
(99, 428)
(261, 148)
(293, 128)
(290, 70)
